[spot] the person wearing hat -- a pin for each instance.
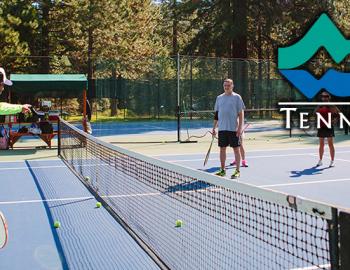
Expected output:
(7, 108)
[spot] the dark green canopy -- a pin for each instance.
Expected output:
(49, 85)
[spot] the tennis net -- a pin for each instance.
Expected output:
(225, 224)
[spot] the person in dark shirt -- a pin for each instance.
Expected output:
(325, 131)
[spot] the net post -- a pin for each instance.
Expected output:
(59, 136)
(344, 224)
(84, 110)
(178, 124)
(178, 98)
(333, 233)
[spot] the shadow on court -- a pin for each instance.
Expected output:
(309, 171)
(196, 185)
(210, 170)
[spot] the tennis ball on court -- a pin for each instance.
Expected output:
(87, 178)
(178, 223)
(98, 204)
(57, 224)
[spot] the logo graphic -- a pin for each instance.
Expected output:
(323, 33)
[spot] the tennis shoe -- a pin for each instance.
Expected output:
(233, 163)
(319, 163)
(236, 174)
(222, 172)
(332, 163)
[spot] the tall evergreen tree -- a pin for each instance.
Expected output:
(18, 25)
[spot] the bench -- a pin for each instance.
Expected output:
(14, 136)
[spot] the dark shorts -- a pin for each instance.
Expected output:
(228, 138)
(325, 132)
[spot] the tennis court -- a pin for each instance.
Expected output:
(293, 171)
(126, 98)
(34, 194)
(226, 224)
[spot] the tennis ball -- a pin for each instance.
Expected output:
(57, 224)
(178, 223)
(98, 204)
(87, 178)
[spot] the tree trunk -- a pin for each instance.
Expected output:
(175, 23)
(239, 48)
(260, 76)
(45, 44)
(240, 10)
(114, 101)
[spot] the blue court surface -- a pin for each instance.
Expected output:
(166, 127)
(33, 195)
(292, 171)
(36, 193)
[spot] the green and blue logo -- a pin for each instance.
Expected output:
(323, 33)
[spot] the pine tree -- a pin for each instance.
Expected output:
(18, 25)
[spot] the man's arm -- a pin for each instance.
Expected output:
(216, 118)
(240, 123)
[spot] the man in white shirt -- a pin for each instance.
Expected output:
(229, 117)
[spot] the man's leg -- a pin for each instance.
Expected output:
(237, 153)
(222, 157)
(235, 144)
(222, 144)
(241, 149)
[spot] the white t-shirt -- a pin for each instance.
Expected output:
(228, 108)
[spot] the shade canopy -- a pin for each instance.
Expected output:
(49, 85)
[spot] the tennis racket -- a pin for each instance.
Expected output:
(3, 231)
(211, 144)
(244, 128)
(208, 153)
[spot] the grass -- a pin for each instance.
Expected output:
(105, 117)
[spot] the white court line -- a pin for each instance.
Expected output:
(179, 160)
(251, 151)
(48, 200)
(258, 150)
(307, 182)
(51, 167)
(313, 267)
(110, 196)
(21, 161)
(248, 157)
(267, 156)
(340, 159)
(336, 159)
(26, 168)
